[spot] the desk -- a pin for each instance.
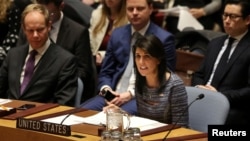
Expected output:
(9, 132)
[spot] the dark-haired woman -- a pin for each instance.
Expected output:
(160, 93)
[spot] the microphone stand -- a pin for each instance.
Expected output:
(70, 113)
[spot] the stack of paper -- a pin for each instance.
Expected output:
(100, 119)
(4, 101)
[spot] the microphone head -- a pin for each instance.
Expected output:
(200, 96)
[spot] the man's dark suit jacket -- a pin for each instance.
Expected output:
(75, 38)
(234, 82)
(54, 80)
(78, 11)
(117, 54)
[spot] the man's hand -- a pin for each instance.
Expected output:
(208, 87)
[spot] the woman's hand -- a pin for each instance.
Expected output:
(109, 105)
(197, 12)
(121, 98)
(98, 59)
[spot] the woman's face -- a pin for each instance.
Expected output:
(145, 63)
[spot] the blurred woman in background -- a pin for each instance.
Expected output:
(108, 16)
(10, 17)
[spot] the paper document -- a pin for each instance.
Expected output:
(100, 119)
(70, 120)
(174, 11)
(135, 121)
(4, 101)
(186, 19)
(5, 108)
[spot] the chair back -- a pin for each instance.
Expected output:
(79, 93)
(211, 110)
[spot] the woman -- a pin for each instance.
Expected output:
(10, 16)
(108, 16)
(9, 26)
(160, 93)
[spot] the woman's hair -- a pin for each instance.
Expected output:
(4, 7)
(39, 8)
(120, 20)
(154, 47)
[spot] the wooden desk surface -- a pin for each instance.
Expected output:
(9, 132)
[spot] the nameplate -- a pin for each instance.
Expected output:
(46, 127)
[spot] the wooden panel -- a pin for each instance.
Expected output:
(31, 111)
(14, 134)
(9, 132)
(187, 61)
(186, 64)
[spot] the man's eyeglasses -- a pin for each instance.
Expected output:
(231, 16)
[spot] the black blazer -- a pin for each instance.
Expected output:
(234, 82)
(75, 38)
(55, 78)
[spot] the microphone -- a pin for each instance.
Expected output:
(71, 113)
(199, 97)
(65, 118)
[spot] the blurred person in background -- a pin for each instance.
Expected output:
(205, 11)
(108, 16)
(92, 3)
(10, 16)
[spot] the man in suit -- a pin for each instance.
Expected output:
(75, 38)
(118, 55)
(53, 77)
(234, 79)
